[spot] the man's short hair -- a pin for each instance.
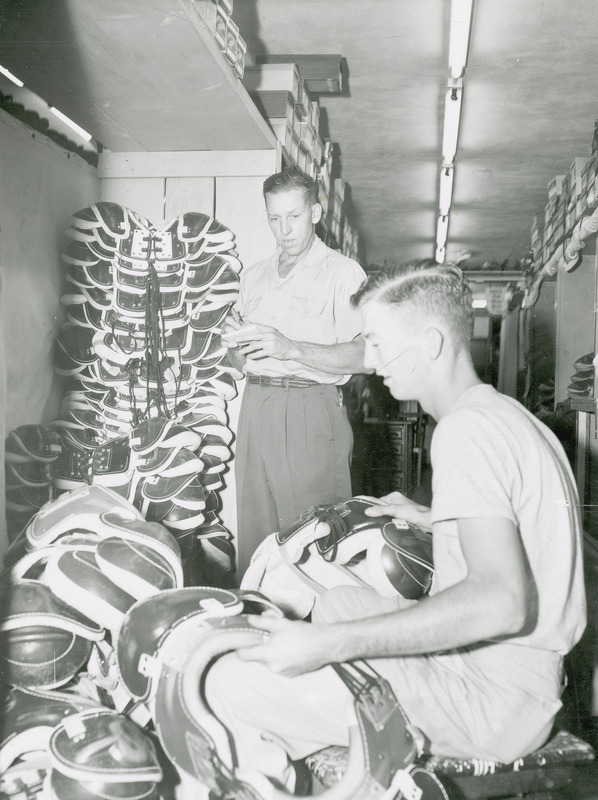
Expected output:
(292, 178)
(438, 290)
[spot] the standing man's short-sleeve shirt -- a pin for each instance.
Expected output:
(311, 304)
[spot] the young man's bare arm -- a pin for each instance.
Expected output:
(496, 599)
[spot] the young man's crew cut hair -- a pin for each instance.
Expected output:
(438, 290)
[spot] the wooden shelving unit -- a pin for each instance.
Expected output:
(148, 77)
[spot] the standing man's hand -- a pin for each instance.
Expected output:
(230, 326)
(261, 341)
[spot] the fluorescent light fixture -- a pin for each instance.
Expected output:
(480, 303)
(10, 76)
(459, 36)
(446, 189)
(452, 118)
(442, 230)
(73, 125)
(440, 255)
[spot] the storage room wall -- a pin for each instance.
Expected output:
(42, 185)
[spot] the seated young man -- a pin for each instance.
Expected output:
(478, 665)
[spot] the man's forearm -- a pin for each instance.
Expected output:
(345, 358)
(464, 614)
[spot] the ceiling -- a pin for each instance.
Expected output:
(132, 72)
(530, 99)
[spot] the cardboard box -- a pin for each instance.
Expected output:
(313, 114)
(335, 228)
(555, 187)
(302, 96)
(273, 78)
(323, 199)
(293, 150)
(282, 131)
(275, 105)
(550, 209)
(324, 175)
(307, 136)
(575, 174)
(232, 37)
(221, 32)
(240, 60)
(536, 230)
(318, 150)
(570, 216)
(339, 190)
(302, 158)
(311, 168)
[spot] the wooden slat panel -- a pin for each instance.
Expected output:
(169, 164)
(239, 204)
(189, 194)
(145, 196)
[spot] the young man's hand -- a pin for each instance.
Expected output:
(397, 506)
(293, 647)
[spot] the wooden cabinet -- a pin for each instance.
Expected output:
(392, 454)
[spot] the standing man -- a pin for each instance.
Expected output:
(478, 664)
(297, 338)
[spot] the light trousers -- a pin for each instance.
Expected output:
(293, 451)
(460, 703)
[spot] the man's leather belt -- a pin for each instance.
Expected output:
(287, 382)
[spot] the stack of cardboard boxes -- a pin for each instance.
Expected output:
(279, 92)
(217, 14)
(570, 198)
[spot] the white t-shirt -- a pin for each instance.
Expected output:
(311, 304)
(492, 458)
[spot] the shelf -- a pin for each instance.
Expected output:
(137, 76)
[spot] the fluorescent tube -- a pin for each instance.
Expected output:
(442, 230)
(73, 125)
(446, 189)
(11, 77)
(459, 36)
(452, 118)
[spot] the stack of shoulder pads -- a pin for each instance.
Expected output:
(144, 411)
(81, 563)
(29, 452)
(339, 545)
(166, 646)
(99, 754)
(71, 578)
(64, 739)
(62, 746)
(95, 637)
